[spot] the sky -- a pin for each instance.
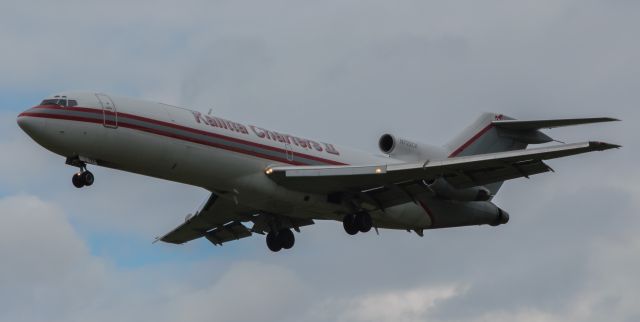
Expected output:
(342, 71)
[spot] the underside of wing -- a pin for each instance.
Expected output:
(461, 172)
(497, 173)
(221, 220)
(219, 217)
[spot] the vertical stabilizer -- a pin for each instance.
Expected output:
(483, 137)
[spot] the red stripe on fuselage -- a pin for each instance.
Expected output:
(470, 141)
(180, 137)
(179, 127)
(61, 117)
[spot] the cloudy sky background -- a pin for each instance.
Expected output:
(340, 71)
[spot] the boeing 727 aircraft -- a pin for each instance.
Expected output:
(268, 182)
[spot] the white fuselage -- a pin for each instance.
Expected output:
(223, 156)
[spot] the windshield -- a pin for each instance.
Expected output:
(60, 102)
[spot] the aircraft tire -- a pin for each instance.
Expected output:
(273, 242)
(363, 222)
(350, 225)
(77, 180)
(286, 238)
(87, 178)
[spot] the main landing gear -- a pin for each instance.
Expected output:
(280, 239)
(84, 178)
(358, 222)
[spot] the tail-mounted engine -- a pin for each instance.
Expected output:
(407, 150)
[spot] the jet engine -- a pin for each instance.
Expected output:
(407, 150)
(444, 190)
(502, 218)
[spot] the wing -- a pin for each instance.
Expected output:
(462, 172)
(220, 220)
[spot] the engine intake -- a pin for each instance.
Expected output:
(501, 219)
(408, 150)
(387, 143)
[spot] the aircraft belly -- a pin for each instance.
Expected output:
(259, 192)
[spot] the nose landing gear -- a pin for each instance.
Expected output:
(84, 178)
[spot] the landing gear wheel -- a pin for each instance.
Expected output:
(286, 238)
(273, 242)
(363, 222)
(87, 178)
(349, 224)
(77, 180)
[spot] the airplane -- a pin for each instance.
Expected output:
(267, 182)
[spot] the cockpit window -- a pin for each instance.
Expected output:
(50, 102)
(60, 102)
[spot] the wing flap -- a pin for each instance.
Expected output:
(228, 232)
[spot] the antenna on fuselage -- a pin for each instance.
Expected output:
(210, 110)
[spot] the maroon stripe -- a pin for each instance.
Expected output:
(61, 117)
(470, 141)
(215, 145)
(166, 134)
(196, 131)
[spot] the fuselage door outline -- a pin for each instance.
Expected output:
(109, 111)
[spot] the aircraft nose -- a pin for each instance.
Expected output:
(29, 124)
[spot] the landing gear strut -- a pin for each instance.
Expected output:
(281, 239)
(358, 222)
(84, 178)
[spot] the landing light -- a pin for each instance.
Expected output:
(378, 170)
(268, 171)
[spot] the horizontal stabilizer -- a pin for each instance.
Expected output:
(547, 124)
